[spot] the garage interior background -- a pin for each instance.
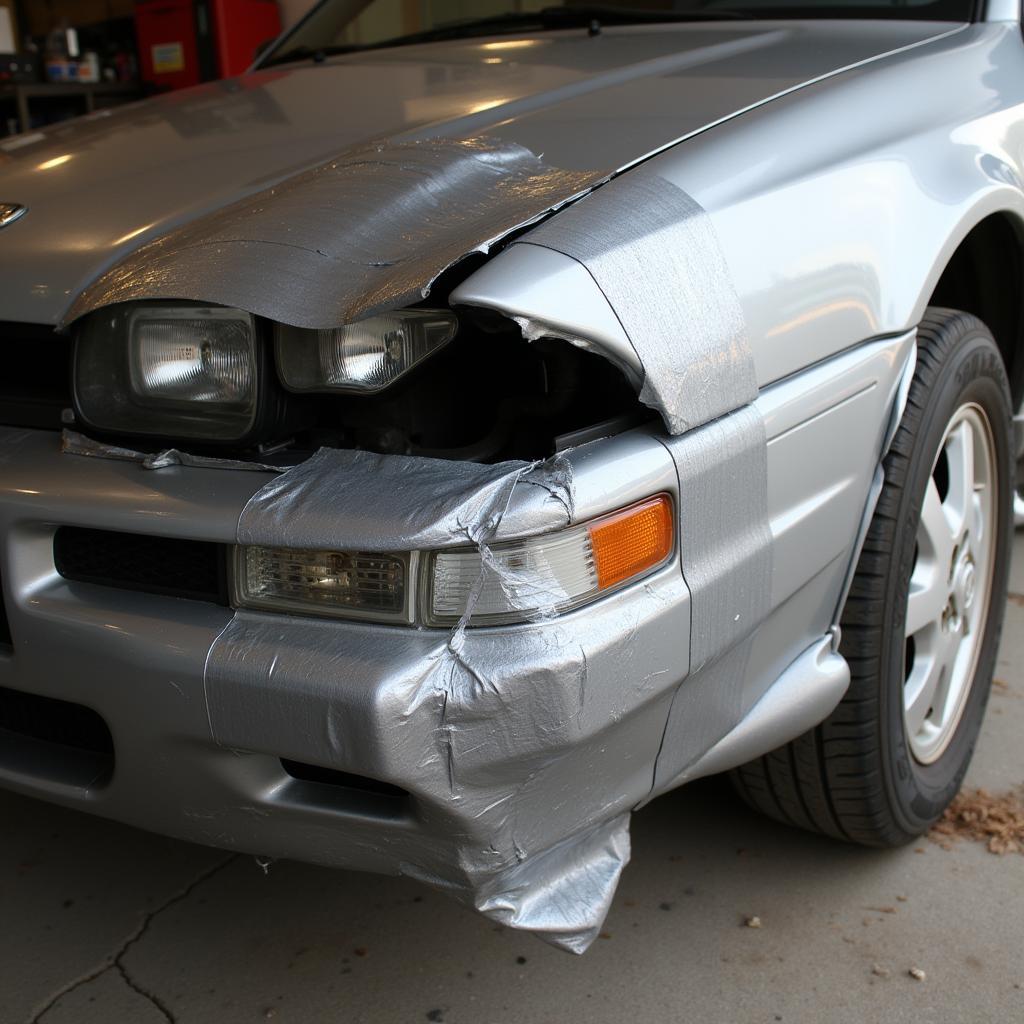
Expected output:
(64, 58)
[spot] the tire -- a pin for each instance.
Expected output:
(875, 772)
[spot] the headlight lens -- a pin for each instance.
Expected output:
(349, 584)
(181, 358)
(180, 371)
(362, 357)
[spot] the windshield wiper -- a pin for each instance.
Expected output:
(592, 17)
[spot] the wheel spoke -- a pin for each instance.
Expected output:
(922, 688)
(959, 503)
(935, 536)
(925, 602)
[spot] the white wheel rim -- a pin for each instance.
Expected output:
(950, 585)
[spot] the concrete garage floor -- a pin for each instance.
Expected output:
(101, 923)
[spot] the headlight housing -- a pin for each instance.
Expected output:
(363, 357)
(169, 370)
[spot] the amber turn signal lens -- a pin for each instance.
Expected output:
(632, 541)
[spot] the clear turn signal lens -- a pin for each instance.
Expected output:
(366, 356)
(554, 572)
(349, 584)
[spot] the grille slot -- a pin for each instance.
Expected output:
(332, 777)
(36, 383)
(311, 785)
(153, 565)
(54, 739)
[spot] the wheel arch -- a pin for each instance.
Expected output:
(984, 276)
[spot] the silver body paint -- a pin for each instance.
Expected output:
(820, 214)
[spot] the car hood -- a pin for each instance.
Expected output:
(126, 184)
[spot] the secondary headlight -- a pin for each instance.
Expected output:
(366, 356)
(170, 370)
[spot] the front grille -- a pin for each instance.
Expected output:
(154, 565)
(35, 385)
(54, 739)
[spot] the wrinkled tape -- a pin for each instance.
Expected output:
(335, 498)
(363, 233)
(653, 252)
(73, 443)
(527, 746)
(461, 702)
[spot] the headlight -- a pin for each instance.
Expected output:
(362, 357)
(170, 370)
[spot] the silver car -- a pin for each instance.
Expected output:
(425, 449)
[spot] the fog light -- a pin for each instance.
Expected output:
(554, 572)
(349, 584)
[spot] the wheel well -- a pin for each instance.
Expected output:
(984, 277)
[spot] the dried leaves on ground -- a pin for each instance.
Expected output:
(996, 820)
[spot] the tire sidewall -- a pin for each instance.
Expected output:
(972, 371)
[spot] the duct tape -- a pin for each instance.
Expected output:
(483, 719)
(366, 232)
(652, 250)
(74, 443)
(503, 735)
(726, 554)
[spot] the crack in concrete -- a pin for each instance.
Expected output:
(152, 997)
(115, 960)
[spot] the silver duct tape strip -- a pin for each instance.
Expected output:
(653, 252)
(334, 499)
(366, 232)
(725, 536)
(707, 706)
(726, 554)
(73, 443)
(564, 895)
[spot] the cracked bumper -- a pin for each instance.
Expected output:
(520, 757)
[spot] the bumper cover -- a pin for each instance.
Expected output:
(522, 748)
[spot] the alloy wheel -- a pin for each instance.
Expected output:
(951, 582)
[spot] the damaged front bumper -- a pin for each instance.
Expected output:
(499, 764)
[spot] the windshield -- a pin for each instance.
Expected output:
(341, 26)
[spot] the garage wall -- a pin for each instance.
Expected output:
(42, 15)
(8, 6)
(406, 12)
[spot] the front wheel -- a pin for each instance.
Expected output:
(921, 624)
